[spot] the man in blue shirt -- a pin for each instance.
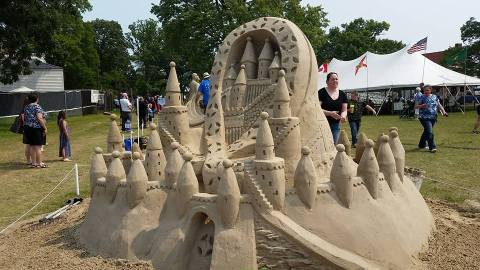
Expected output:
(204, 90)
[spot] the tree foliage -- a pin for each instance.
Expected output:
(73, 49)
(355, 38)
(112, 50)
(30, 27)
(193, 29)
(150, 62)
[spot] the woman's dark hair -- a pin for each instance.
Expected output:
(330, 75)
(61, 115)
(32, 98)
(26, 101)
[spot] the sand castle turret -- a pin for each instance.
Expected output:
(368, 169)
(306, 179)
(281, 104)
(398, 152)
(114, 139)
(274, 68)
(269, 170)
(136, 182)
(286, 129)
(264, 149)
(237, 93)
(342, 176)
(265, 59)
(228, 200)
(98, 169)
(175, 116)
(360, 146)
(115, 174)
(231, 76)
(345, 141)
(174, 165)
(249, 59)
(386, 163)
(136, 148)
(155, 160)
(173, 94)
(187, 184)
(377, 143)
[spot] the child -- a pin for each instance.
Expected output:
(64, 149)
(150, 112)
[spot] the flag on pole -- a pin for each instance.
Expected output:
(361, 64)
(419, 46)
(459, 56)
(323, 68)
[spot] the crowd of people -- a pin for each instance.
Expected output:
(338, 109)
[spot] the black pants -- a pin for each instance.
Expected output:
(125, 116)
(143, 120)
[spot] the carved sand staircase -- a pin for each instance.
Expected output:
(260, 200)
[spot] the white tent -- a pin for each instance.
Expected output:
(22, 89)
(395, 70)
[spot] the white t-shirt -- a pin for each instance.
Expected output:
(125, 104)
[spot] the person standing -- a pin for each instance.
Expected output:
(477, 123)
(26, 101)
(334, 104)
(204, 90)
(428, 105)
(142, 112)
(35, 130)
(64, 147)
(416, 97)
(354, 114)
(125, 110)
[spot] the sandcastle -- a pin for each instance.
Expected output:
(257, 179)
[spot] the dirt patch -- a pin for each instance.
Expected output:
(55, 246)
(454, 244)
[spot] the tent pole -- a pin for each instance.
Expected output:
(460, 107)
(383, 101)
(473, 94)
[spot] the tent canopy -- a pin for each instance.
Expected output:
(395, 70)
(22, 89)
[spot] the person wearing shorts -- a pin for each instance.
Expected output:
(35, 129)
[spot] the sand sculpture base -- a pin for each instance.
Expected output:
(257, 179)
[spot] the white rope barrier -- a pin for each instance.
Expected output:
(39, 202)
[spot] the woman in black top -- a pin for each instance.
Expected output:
(334, 104)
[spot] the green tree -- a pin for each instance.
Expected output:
(454, 57)
(355, 38)
(29, 27)
(193, 29)
(150, 62)
(112, 51)
(74, 51)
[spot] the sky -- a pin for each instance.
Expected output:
(410, 20)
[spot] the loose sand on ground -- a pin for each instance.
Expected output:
(454, 244)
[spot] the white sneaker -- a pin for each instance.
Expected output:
(433, 150)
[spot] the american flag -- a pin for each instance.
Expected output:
(419, 46)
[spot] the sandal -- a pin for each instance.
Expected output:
(33, 166)
(43, 165)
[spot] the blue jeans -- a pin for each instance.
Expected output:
(354, 127)
(427, 135)
(335, 128)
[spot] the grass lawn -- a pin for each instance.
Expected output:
(457, 160)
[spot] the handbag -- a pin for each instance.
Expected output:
(17, 125)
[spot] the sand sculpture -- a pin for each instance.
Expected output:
(257, 176)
